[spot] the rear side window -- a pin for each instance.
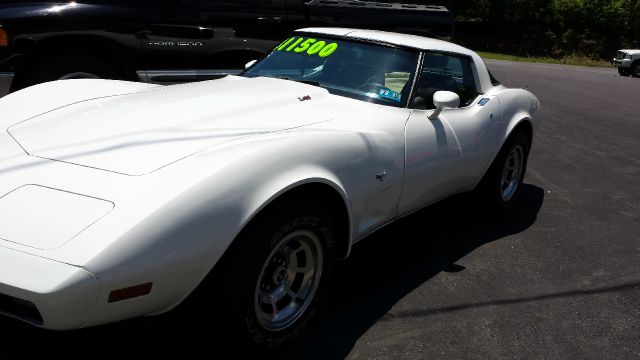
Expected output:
(445, 72)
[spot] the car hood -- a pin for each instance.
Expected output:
(139, 133)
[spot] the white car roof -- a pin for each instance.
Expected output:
(413, 41)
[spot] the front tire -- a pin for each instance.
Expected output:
(623, 71)
(501, 184)
(278, 269)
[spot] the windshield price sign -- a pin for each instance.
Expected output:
(309, 46)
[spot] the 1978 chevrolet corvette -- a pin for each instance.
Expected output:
(119, 199)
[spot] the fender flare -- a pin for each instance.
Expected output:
(274, 188)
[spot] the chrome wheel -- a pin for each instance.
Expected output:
(512, 173)
(288, 280)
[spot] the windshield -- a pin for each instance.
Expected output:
(368, 72)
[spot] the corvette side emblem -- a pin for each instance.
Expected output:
(304, 98)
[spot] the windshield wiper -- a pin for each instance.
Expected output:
(309, 82)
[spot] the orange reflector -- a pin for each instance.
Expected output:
(130, 292)
(4, 39)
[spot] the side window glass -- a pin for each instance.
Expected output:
(448, 73)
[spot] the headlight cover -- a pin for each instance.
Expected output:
(44, 218)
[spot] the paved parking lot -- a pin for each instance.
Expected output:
(559, 277)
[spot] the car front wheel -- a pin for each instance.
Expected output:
(278, 271)
(623, 71)
(635, 69)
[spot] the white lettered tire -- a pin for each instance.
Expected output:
(276, 274)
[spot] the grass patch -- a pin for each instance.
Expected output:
(569, 60)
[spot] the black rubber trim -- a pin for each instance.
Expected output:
(21, 309)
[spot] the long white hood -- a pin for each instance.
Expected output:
(139, 133)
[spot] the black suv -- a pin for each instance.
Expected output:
(169, 41)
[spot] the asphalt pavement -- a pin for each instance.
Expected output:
(556, 278)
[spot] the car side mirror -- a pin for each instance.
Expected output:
(444, 100)
(250, 64)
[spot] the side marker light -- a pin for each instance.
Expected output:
(130, 292)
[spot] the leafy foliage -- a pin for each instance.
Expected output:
(558, 28)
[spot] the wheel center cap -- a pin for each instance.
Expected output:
(280, 275)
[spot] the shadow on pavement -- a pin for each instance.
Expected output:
(393, 262)
(382, 269)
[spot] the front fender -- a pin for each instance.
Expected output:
(178, 244)
(185, 217)
(274, 188)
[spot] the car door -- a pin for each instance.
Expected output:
(446, 155)
(190, 40)
(173, 42)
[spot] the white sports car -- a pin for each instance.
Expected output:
(119, 199)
